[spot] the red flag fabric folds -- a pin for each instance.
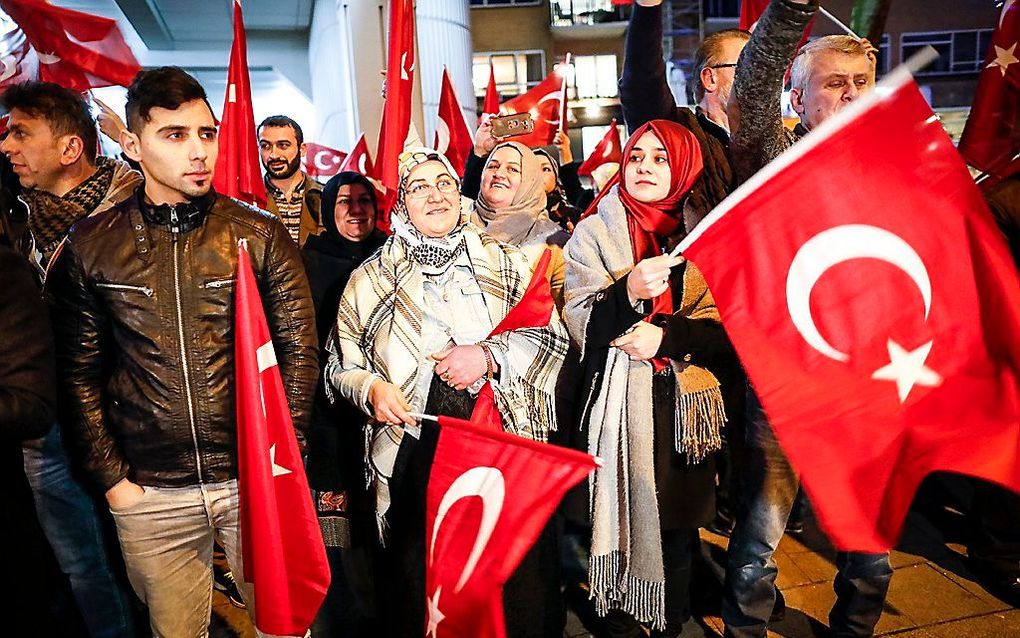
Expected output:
(359, 160)
(991, 139)
(399, 84)
(880, 337)
(532, 311)
(453, 137)
(609, 149)
(491, 103)
(238, 168)
(545, 103)
(489, 495)
(284, 555)
(77, 50)
(322, 161)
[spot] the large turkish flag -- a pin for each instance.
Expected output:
(489, 496)
(453, 137)
(545, 101)
(876, 308)
(284, 556)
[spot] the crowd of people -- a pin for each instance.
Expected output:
(117, 353)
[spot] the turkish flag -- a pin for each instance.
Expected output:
(491, 103)
(879, 329)
(489, 496)
(609, 149)
(284, 555)
(238, 170)
(77, 50)
(545, 103)
(991, 139)
(399, 84)
(19, 62)
(534, 310)
(322, 161)
(359, 160)
(453, 137)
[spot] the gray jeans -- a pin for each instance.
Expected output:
(167, 541)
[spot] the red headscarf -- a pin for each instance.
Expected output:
(649, 222)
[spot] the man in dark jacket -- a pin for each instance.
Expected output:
(827, 75)
(144, 319)
(52, 149)
(645, 96)
(293, 196)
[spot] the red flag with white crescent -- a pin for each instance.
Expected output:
(238, 171)
(991, 139)
(76, 50)
(322, 161)
(880, 337)
(489, 496)
(545, 103)
(396, 120)
(284, 555)
(608, 150)
(453, 137)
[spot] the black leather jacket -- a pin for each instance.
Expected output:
(143, 305)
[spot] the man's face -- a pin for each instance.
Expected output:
(281, 155)
(177, 150)
(835, 80)
(35, 152)
(718, 77)
(354, 212)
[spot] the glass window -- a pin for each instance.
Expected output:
(595, 76)
(722, 8)
(960, 52)
(515, 71)
(504, 3)
(568, 12)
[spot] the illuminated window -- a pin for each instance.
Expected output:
(515, 71)
(595, 76)
(960, 52)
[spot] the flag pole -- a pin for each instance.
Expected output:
(424, 417)
(563, 93)
(836, 21)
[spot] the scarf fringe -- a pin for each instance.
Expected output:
(700, 418)
(642, 599)
(538, 407)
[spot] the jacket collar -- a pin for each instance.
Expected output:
(177, 217)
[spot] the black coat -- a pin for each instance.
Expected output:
(686, 491)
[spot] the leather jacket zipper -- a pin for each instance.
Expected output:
(175, 230)
(145, 290)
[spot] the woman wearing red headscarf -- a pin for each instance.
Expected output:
(649, 334)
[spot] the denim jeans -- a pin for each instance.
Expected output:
(770, 489)
(71, 521)
(167, 541)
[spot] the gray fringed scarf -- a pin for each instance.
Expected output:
(626, 569)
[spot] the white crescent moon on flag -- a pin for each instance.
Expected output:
(834, 246)
(486, 483)
(317, 160)
(10, 67)
(48, 58)
(363, 164)
(1005, 8)
(552, 95)
(442, 135)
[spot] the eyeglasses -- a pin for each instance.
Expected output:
(421, 190)
(728, 65)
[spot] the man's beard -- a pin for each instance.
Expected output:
(292, 167)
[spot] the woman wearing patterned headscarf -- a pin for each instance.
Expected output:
(412, 336)
(511, 208)
(649, 333)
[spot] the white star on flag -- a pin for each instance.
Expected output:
(278, 470)
(1003, 58)
(232, 93)
(907, 369)
(435, 616)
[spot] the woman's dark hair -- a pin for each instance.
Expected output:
(166, 87)
(332, 189)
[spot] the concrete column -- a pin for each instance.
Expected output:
(444, 38)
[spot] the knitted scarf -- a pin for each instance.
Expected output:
(626, 570)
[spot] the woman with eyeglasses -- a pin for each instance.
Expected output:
(412, 336)
(652, 343)
(511, 207)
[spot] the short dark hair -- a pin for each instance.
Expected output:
(66, 111)
(283, 120)
(707, 54)
(166, 87)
